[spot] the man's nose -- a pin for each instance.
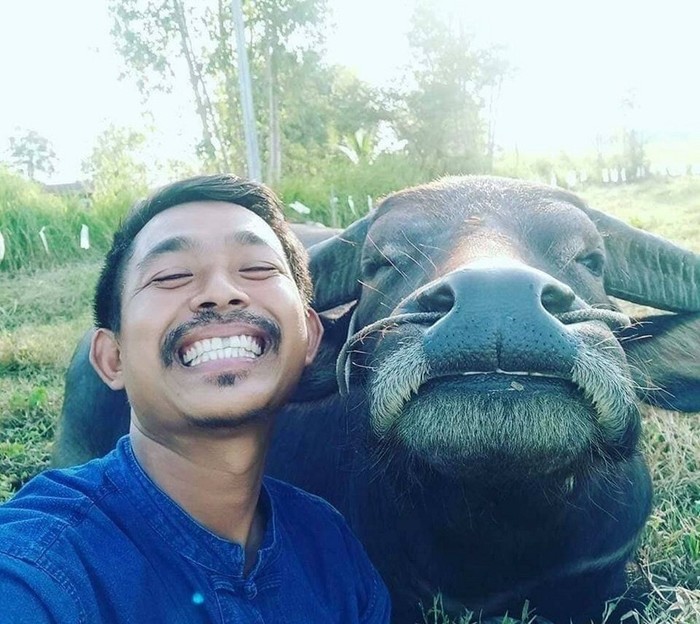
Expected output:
(219, 292)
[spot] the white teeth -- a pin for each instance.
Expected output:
(219, 348)
(516, 373)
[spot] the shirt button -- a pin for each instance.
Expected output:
(250, 590)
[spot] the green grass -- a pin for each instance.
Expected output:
(42, 316)
(26, 210)
(668, 207)
(44, 312)
(679, 151)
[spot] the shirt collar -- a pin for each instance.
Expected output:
(180, 530)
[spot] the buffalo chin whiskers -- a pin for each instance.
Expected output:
(396, 381)
(342, 368)
(612, 395)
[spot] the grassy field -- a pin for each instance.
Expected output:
(43, 313)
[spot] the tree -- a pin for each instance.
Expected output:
(159, 40)
(115, 166)
(284, 34)
(162, 39)
(633, 156)
(446, 109)
(30, 152)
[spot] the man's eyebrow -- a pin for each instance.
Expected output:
(183, 243)
(168, 245)
(246, 238)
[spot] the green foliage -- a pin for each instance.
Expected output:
(669, 207)
(26, 210)
(359, 147)
(164, 39)
(337, 178)
(42, 315)
(115, 167)
(27, 423)
(436, 615)
(304, 108)
(442, 112)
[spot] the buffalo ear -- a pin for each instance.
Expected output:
(664, 354)
(319, 378)
(335, 266)
(647, 269)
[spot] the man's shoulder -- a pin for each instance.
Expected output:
(316, 532)
(50, 508)
(308, 520)
(294, 500)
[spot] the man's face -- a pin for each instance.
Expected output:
(213, 328)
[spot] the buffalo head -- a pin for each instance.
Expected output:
(483, 335)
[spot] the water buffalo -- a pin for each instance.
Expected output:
(475, 409)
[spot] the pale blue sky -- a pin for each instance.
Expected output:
(574, 61)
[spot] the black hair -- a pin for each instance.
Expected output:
(220, 187)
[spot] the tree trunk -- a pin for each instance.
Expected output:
(274, 153)
(232, 129)
(494, 96)
(195, 80)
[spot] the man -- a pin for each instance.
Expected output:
(203, 316)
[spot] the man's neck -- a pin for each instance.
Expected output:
(216, 480)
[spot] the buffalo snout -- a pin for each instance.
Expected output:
(497, 316)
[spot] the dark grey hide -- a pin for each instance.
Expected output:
(480, 430)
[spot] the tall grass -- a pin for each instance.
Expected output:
(26, 209)
(340, 179)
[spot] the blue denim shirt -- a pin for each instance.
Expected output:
(101, 543)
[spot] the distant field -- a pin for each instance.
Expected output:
(43, 313)
(673, 151)
(669, 207)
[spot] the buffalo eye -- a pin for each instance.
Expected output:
(594, 262)
(374, 264)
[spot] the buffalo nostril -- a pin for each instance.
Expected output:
(440, 298)
(557, 299)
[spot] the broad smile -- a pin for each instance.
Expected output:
(221, 348)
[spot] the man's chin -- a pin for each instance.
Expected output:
(230, 422)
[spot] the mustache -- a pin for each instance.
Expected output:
(211, 317)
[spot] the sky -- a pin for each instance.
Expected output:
(573, 62)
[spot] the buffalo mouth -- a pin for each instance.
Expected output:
(507, 381)
(488, 424)
(516, 424)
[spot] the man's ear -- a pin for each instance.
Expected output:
(105, 357)
(315, 332)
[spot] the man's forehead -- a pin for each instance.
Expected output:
(206, 223)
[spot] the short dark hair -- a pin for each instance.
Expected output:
(221, 187)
